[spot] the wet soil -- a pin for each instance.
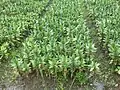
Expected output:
(35, 82)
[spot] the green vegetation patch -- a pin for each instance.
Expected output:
(59, 37)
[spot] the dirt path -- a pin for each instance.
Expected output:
(106, 75)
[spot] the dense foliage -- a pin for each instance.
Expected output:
(57, 37)
(106, 15)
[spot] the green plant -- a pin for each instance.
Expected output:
(117, 69)
(59, 38)
(81, 78)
